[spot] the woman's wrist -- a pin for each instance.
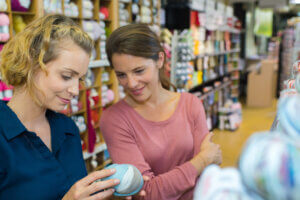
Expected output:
(199, 162)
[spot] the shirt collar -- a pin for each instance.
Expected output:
(12, 126)
(9, 122)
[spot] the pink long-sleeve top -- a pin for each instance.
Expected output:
(160, 150)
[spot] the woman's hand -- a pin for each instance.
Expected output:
(210, 153)
(87, 188)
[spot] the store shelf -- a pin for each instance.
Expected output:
(125, 1)
(219, 53)
(208, 83)
(98, 63)
(99, 148)
(203, 96)
(105, 163)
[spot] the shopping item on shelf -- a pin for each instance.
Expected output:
(19, 24)
(3, 5)
(20, 5)
(269, 166)
(87, 8)
(131, 179)
(221, 184)
(4, 27)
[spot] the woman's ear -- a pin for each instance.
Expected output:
(161, 59)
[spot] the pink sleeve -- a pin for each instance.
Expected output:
(200, 124)
(124, 149)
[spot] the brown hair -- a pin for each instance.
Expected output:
(36, 45)
(137, 40)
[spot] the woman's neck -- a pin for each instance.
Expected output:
(25, 108)
(158, 96)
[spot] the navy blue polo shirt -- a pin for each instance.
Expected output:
(28, 169)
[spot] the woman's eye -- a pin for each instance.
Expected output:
(66, 78)
(139, 71)
(121, 75)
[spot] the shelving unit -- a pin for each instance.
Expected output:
(215, 61)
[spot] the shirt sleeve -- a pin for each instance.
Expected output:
(123, 148)
(200, 125)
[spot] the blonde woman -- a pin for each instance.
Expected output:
(40, 150)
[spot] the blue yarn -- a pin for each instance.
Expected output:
(121, 169)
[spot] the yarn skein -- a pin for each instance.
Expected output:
(269, 166)
(131, 179)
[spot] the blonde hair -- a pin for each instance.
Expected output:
(35, 46)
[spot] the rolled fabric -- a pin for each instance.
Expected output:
(269, 166)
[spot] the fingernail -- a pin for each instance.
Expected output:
(112, 190)
(116, 181)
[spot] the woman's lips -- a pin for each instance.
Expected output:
(137, 92)
(65, 101)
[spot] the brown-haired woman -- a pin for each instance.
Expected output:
(163, 133)
(40, 149)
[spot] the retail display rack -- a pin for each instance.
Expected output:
(207, 59)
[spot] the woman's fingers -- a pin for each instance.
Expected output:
(95, 176)
(146, 178)
(101, 195)
(101, 185)
(207, 138)
(142, 193)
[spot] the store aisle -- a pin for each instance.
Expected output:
(254, 119)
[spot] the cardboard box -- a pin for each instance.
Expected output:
(261, 86)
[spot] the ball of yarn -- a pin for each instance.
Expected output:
(3, 5)
(19, 24)
(104, 10)
(131, 179)
(110, 95)
(4, 19)
(20, 5)
(269, 166)
(220, 184)
(288, 114)
(297, 83)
